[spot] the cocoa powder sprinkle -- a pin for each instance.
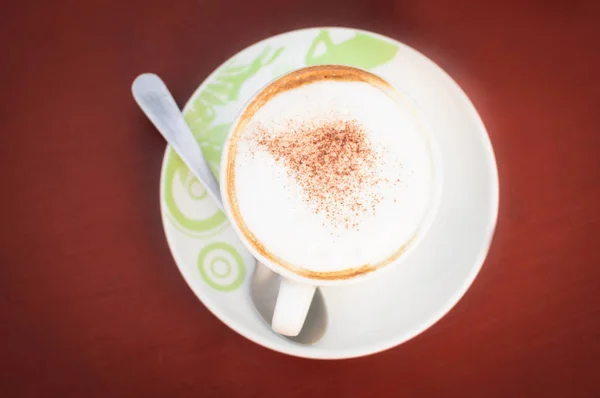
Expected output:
(333, 162)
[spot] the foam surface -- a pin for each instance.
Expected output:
(275, 209)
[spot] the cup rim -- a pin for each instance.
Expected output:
(411, 245)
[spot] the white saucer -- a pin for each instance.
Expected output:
(384, 311)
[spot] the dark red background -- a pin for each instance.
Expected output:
(91, 303)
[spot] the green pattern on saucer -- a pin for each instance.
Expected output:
(221, 266)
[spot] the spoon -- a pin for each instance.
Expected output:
(155, 100)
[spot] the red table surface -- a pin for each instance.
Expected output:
(91, 303)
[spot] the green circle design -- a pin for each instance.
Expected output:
(174, 164)
(213, 281)
(194, 196)
(214, 269)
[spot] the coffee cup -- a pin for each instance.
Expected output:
(329, 175)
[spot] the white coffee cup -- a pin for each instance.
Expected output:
(297, 289)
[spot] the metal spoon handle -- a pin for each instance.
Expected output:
(153, 97)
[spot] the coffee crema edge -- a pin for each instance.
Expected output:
(284, 83)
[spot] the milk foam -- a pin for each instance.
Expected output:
(275, 211)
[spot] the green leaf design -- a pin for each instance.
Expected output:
(200, 117)
(217, 88)
(362, 51)
(273, 57)
(212, 146)
(211, 99)
(232, 69)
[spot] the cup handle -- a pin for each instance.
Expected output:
(293, 302)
